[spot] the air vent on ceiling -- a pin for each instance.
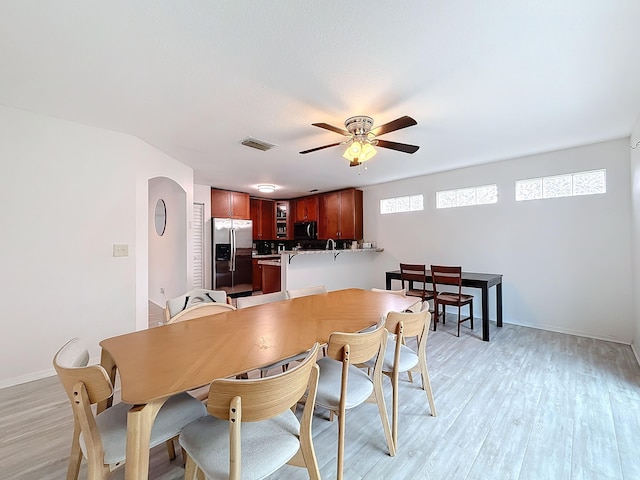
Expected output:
(259, 144)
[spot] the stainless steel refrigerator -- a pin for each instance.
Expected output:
(232, 242)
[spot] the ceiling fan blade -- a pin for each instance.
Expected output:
(320, 148)
(397, 124)
(326, 126)
(401, 147)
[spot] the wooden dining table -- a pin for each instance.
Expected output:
(159, 362)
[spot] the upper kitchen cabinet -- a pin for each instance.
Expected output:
(284, 230)
(306, 209)
(228, 204)
(263, 214)
(341, 215)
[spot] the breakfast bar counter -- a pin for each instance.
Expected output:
(334, 268)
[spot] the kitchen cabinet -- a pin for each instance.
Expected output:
(271, 278)
(263, 213)
(341, 215)
(306, 209)
(229, 204)
(256, 272)
(284, 229)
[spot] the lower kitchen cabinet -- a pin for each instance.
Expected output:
(256, 271)
(271, 278)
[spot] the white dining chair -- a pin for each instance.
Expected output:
(250, 301)
(102, 438)
(304, 292)
(193, 297)
(252, 430)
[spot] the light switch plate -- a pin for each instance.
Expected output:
(121, 250)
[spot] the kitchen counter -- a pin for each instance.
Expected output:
(264, 256)
(271, 262)
(336, 269)
(335, 252)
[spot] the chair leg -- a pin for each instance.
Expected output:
(190, 469)
(459, 310)
(426, 384)
(435, 315)
(341, 428)
(75, 458)
(394, 421)
(171, 450)
(382, 409)
(471, 313)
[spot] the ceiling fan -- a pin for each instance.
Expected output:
(363, 138)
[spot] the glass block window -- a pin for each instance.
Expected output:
(464, 197)
(568, 185)
(410, 203)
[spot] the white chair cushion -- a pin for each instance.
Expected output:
(265, 445)
(408, 358)
(294, 358)
(359, 385)
(176, 412)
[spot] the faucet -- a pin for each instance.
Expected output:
(333, 244)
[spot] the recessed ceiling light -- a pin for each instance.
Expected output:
(266, 188)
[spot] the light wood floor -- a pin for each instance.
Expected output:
(530, 404)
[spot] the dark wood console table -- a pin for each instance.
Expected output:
(483, 281)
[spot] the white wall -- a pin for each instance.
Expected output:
(68, 193)
(566, 262)
(635, 192)
(167, 260)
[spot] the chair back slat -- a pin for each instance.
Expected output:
(413, 323)
(250, 301)
(262, 398)
(363, 346)
(446, 275)
(193, 297)
(70, 363)
(200, 310)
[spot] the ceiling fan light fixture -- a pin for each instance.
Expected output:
(368, 152)
(266, 188)
(353, 150)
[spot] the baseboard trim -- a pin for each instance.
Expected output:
(575, 333)
(635, 352)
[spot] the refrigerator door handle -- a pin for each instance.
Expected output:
(232, 232)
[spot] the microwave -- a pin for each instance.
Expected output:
(305, 231)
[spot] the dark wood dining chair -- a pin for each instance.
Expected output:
(409, 275)
(446, 275)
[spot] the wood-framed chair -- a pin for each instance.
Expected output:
(412, 273)
(251, 300)
(400, 358)
(251, 429)
(101, 438)
(449, 275)
(304, 292)
(402, 292)
(342, 385)
(193, 297)
(200, 310)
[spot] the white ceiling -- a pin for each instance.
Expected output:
(485, 80)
